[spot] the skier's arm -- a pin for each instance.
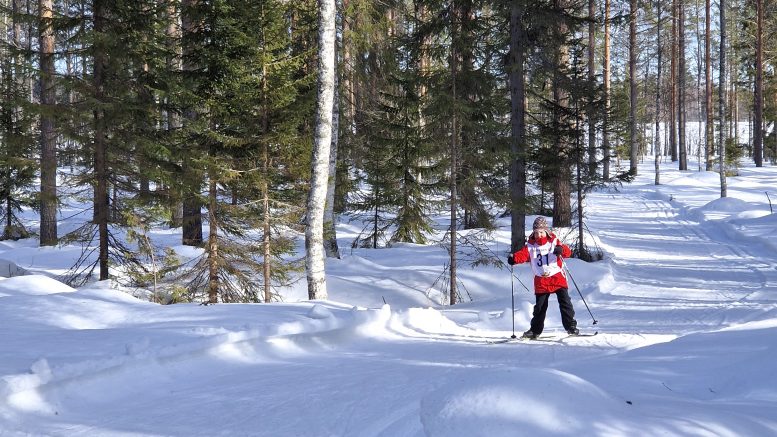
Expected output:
(521, 256)
(562, 250)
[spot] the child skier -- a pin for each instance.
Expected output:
(545, 252)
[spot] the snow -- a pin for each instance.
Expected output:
(685, 303)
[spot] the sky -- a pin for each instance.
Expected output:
(685, 304)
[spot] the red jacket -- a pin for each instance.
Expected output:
(548, 269)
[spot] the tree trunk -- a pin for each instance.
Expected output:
(657, 139)
(681, 115)
(517, 129)
(634, 146)
(213, 241)
(330, 224)
(673, 116)
(314, 229)
(48, 156)
(266, 238)
(592, 78)
(709, 133)
(758, 95)
(562, 205)
(454, 151)
(265, 189)
(606, 119)
(699, 105)
(722, 100)
(173, 34)
(192, 206)
(100, 152)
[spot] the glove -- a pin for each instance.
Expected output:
(510, 259)
(558, 250)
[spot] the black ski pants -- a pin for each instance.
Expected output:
(541, 308)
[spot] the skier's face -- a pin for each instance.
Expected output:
(539, 233)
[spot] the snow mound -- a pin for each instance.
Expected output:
(724, 208)
(761, 227)
(32, 285)
(519, 402)
(697, 179)
(319, 312)
(9, 269)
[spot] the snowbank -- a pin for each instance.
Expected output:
(520, 402)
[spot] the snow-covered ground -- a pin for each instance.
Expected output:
(686, 304)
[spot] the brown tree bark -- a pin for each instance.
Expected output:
(591, 77)
(673, 85)
(517, 128)
(710, 122)
(681, 114)
(722, 100)
(562, 184)
(48, 155)
(100, 146)
(192, 180)
(758, 96)
(606, 119)
(634, 146)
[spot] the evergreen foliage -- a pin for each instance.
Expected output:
(17, 130)
(200, 115)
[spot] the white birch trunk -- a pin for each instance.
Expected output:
(330, 230)
(314, 231)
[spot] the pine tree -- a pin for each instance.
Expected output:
(48, 157)
(633, 143)
(758, 88)
(518, 143)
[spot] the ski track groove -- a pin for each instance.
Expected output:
(668, 217)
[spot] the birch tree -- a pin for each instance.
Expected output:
(314, 229)
(330, 231)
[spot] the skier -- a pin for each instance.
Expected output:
(545, 252)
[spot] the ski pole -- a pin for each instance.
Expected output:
(581, 294)
(512, 298)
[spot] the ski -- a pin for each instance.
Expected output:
(503, 340)
(523, 339)
(547, 338)
(577, 335)
(587, 334)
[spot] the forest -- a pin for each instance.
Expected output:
(245, 124)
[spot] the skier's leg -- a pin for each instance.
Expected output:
(538, 316)
(567, 311)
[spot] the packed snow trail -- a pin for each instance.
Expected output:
(663, 260)
(685, 345)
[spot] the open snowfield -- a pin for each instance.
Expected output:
(686, 303)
